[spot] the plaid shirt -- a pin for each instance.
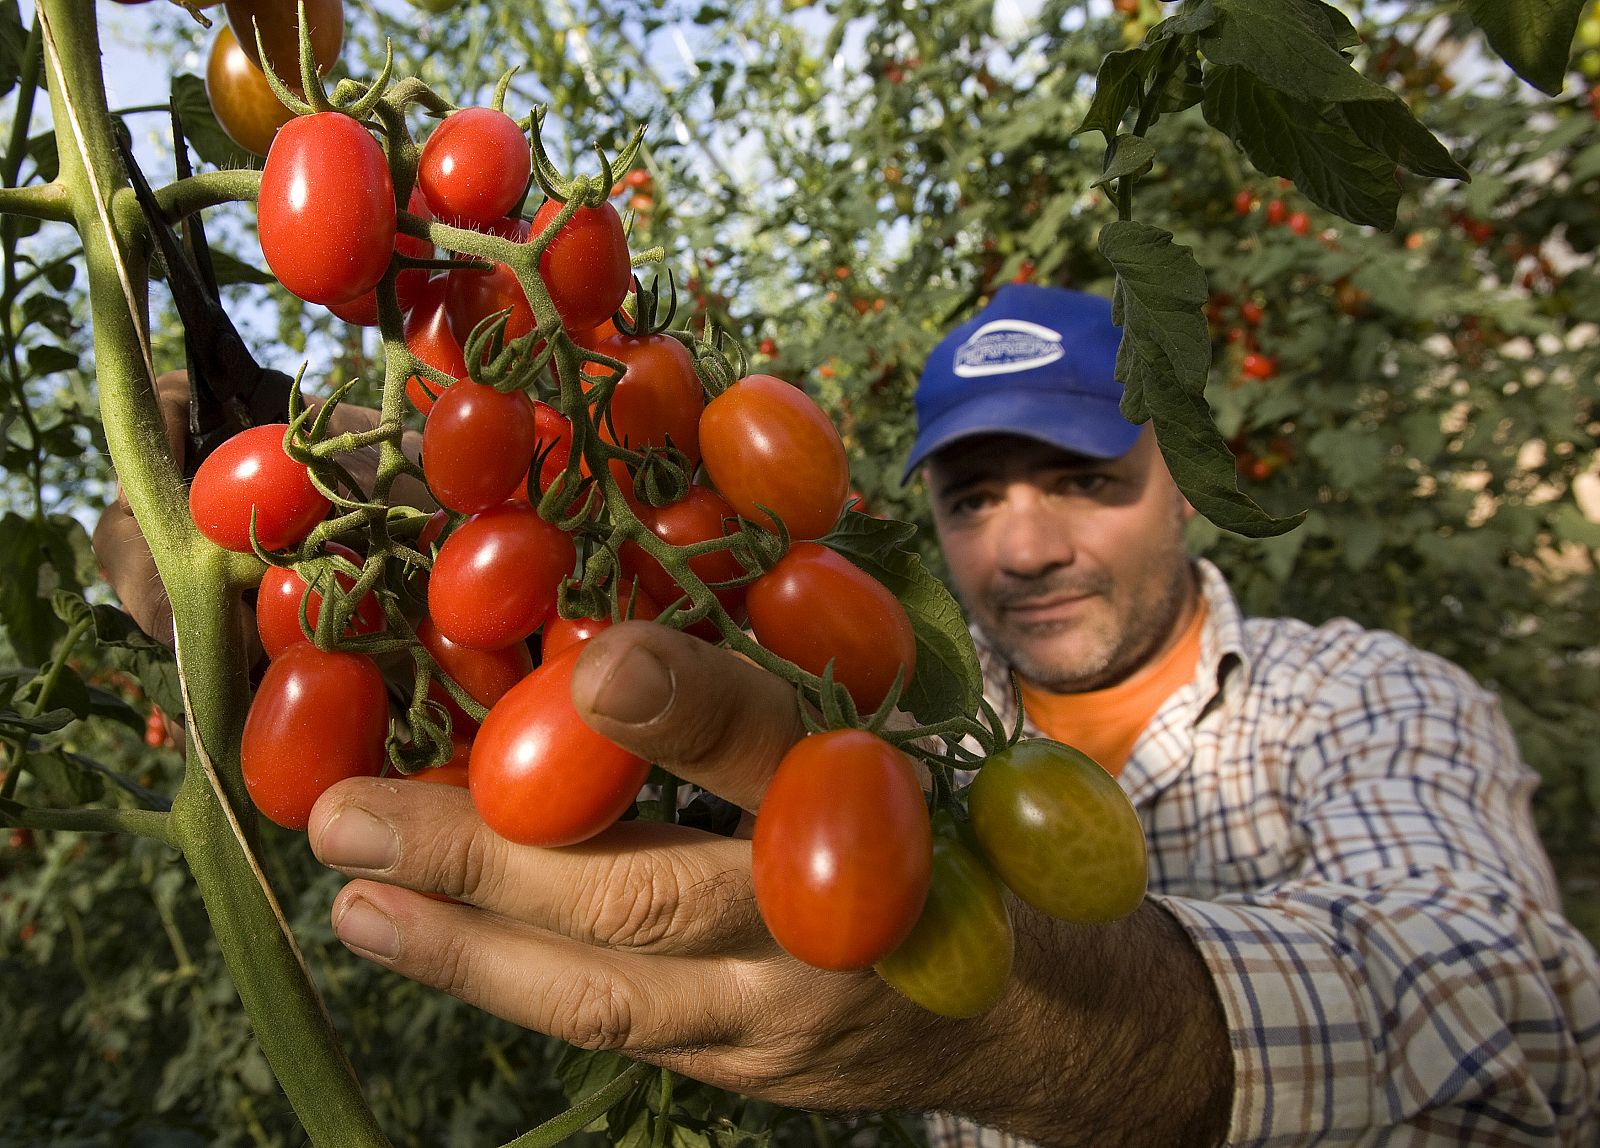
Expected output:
(1341, 823)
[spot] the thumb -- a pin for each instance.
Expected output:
(704, 713)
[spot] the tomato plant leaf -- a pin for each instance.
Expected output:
(948, 681)
(1291, 46)
(1387, 126)
(1294, 139)
(46, 160)
(200, 125)
(64, 780)
(1128, 156)
(13, 41)
(47, 359)
(1533, 36)
(1117, 87)
(48, 722)
(1163, 362)
(36, 555)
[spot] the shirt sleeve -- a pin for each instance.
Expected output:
(1414, 982)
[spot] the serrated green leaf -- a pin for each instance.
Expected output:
(46, 359)
(48, 722)
(1159, 304)
(61, 275)
(688, 1138)
(1387, 126)
(1533, 36)
(13, 42)
(1290, 46)
(46, 162)
(1163, 362)
(1287, 137)
(1130, 156)
(948, 681)
(1117, 86)
(63, 780)
(582, 1071)
(201, 128)
(1192, 20)
(35, 557)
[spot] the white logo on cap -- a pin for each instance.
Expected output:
(1007, 346)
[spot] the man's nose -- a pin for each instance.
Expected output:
(1030, 540)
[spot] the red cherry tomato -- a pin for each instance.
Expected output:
(318, 717)
(699, 516)
(495, 578)
(842, 852)
(485, 675)
(251, 472)
(563, 633)
(1243, 201)
(552, 442)
(474, 166)
(539, 775)
(1258, 366)
(477, 445)
(1300, 223)
(765, 443)
(278, 605)
(428, 336)
(586, 267)
(657, 399)
(1059, 831)
(409, 284)
(1277, 212)
(473, 295)
(1251, 312)
(452, 772)
(815, 605)
(326, 213)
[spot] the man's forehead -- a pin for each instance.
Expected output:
(978, 456)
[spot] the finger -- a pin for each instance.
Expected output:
(639, 885)
(703, 713)
(587, 996)
(130, 570)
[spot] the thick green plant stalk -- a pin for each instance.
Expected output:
(212, 823)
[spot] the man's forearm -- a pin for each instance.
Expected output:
(1110, 1035)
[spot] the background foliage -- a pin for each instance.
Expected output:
(836, 185)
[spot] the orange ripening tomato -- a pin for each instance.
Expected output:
(240, 97)
(767, 444)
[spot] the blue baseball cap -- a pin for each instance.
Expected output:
(1038, 362)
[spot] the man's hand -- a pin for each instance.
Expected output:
(646, 939)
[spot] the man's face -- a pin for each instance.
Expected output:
(1073, 567)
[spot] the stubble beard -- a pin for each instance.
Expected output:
(1110, 657)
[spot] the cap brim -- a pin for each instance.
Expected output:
(1081, 424)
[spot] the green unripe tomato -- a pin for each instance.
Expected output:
(957, 959)
(1059, 831)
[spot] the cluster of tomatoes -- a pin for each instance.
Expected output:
(554, 521)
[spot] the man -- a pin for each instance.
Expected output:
(1352, 933)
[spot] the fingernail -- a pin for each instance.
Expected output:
(362, 927)
(355, 839)
(638, 689)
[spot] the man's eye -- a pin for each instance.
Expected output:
(969, 503)
(1082, 483)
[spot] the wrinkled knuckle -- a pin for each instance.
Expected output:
(597, 1012)
(637, 906)
(447, 964)
(473, 873)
